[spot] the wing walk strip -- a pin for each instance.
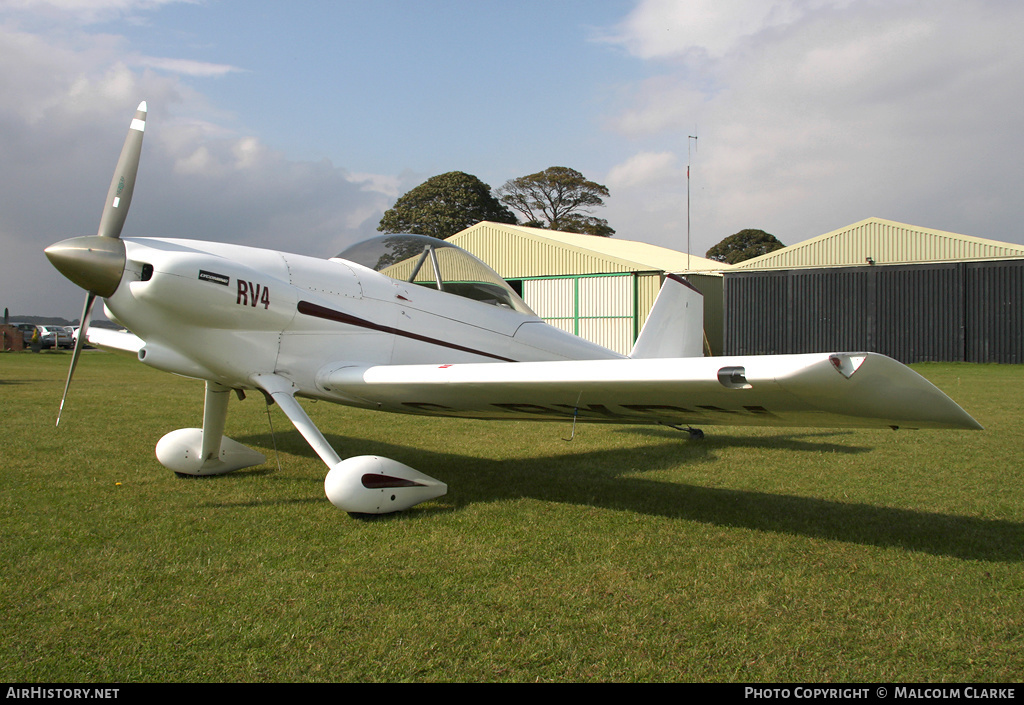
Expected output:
(328, 314)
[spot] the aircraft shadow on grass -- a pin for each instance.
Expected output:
(583, 478)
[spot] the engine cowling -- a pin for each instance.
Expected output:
(370, 484)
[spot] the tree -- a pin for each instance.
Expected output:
(444, 205)
(558, 198)
(744, 245)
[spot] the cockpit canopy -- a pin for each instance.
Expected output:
(437, 264)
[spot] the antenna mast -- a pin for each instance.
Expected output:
(688, 144)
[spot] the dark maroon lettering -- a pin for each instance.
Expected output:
(646, 408)
(598, 410)
(532, 409)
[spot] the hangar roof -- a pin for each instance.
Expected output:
(516, 251)
(878, 241)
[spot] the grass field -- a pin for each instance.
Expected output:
(627, 554)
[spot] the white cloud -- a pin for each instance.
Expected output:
(187, 67)
(83, 11)
(659, 29)
(659, 104)
(643, 169)
(63, 117)
(815, 115)
(386, 184)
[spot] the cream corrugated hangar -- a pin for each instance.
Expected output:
(875, 241)
(909, 292)
(599, 288)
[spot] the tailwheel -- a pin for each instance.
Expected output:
(695, 433)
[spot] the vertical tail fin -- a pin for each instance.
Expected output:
(675, 326)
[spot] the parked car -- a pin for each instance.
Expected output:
(73, 330)
(55, 335)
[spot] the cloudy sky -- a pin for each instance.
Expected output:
(294, 125)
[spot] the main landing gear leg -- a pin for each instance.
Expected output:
(366, 484)
(206, 451)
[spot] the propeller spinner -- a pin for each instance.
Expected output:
(96, 262)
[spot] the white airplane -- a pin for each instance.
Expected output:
(415, 325)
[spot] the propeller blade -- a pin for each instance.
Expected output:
(83, 328)
(95, 263)
(119, 195)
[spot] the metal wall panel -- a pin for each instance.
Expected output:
(756, 312)
(965, 311)
(994, 303)
(606, 306)
(568, 302)
(832, 310)
(920, 315)
(598, 308)
(551, 298)
(606, 296)
(613, 333)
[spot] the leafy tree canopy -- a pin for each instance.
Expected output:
(744, 245)
(558, 198)
(444, 205)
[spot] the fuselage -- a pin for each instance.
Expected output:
(224, 312)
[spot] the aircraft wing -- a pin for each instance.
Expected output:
(837, 390)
